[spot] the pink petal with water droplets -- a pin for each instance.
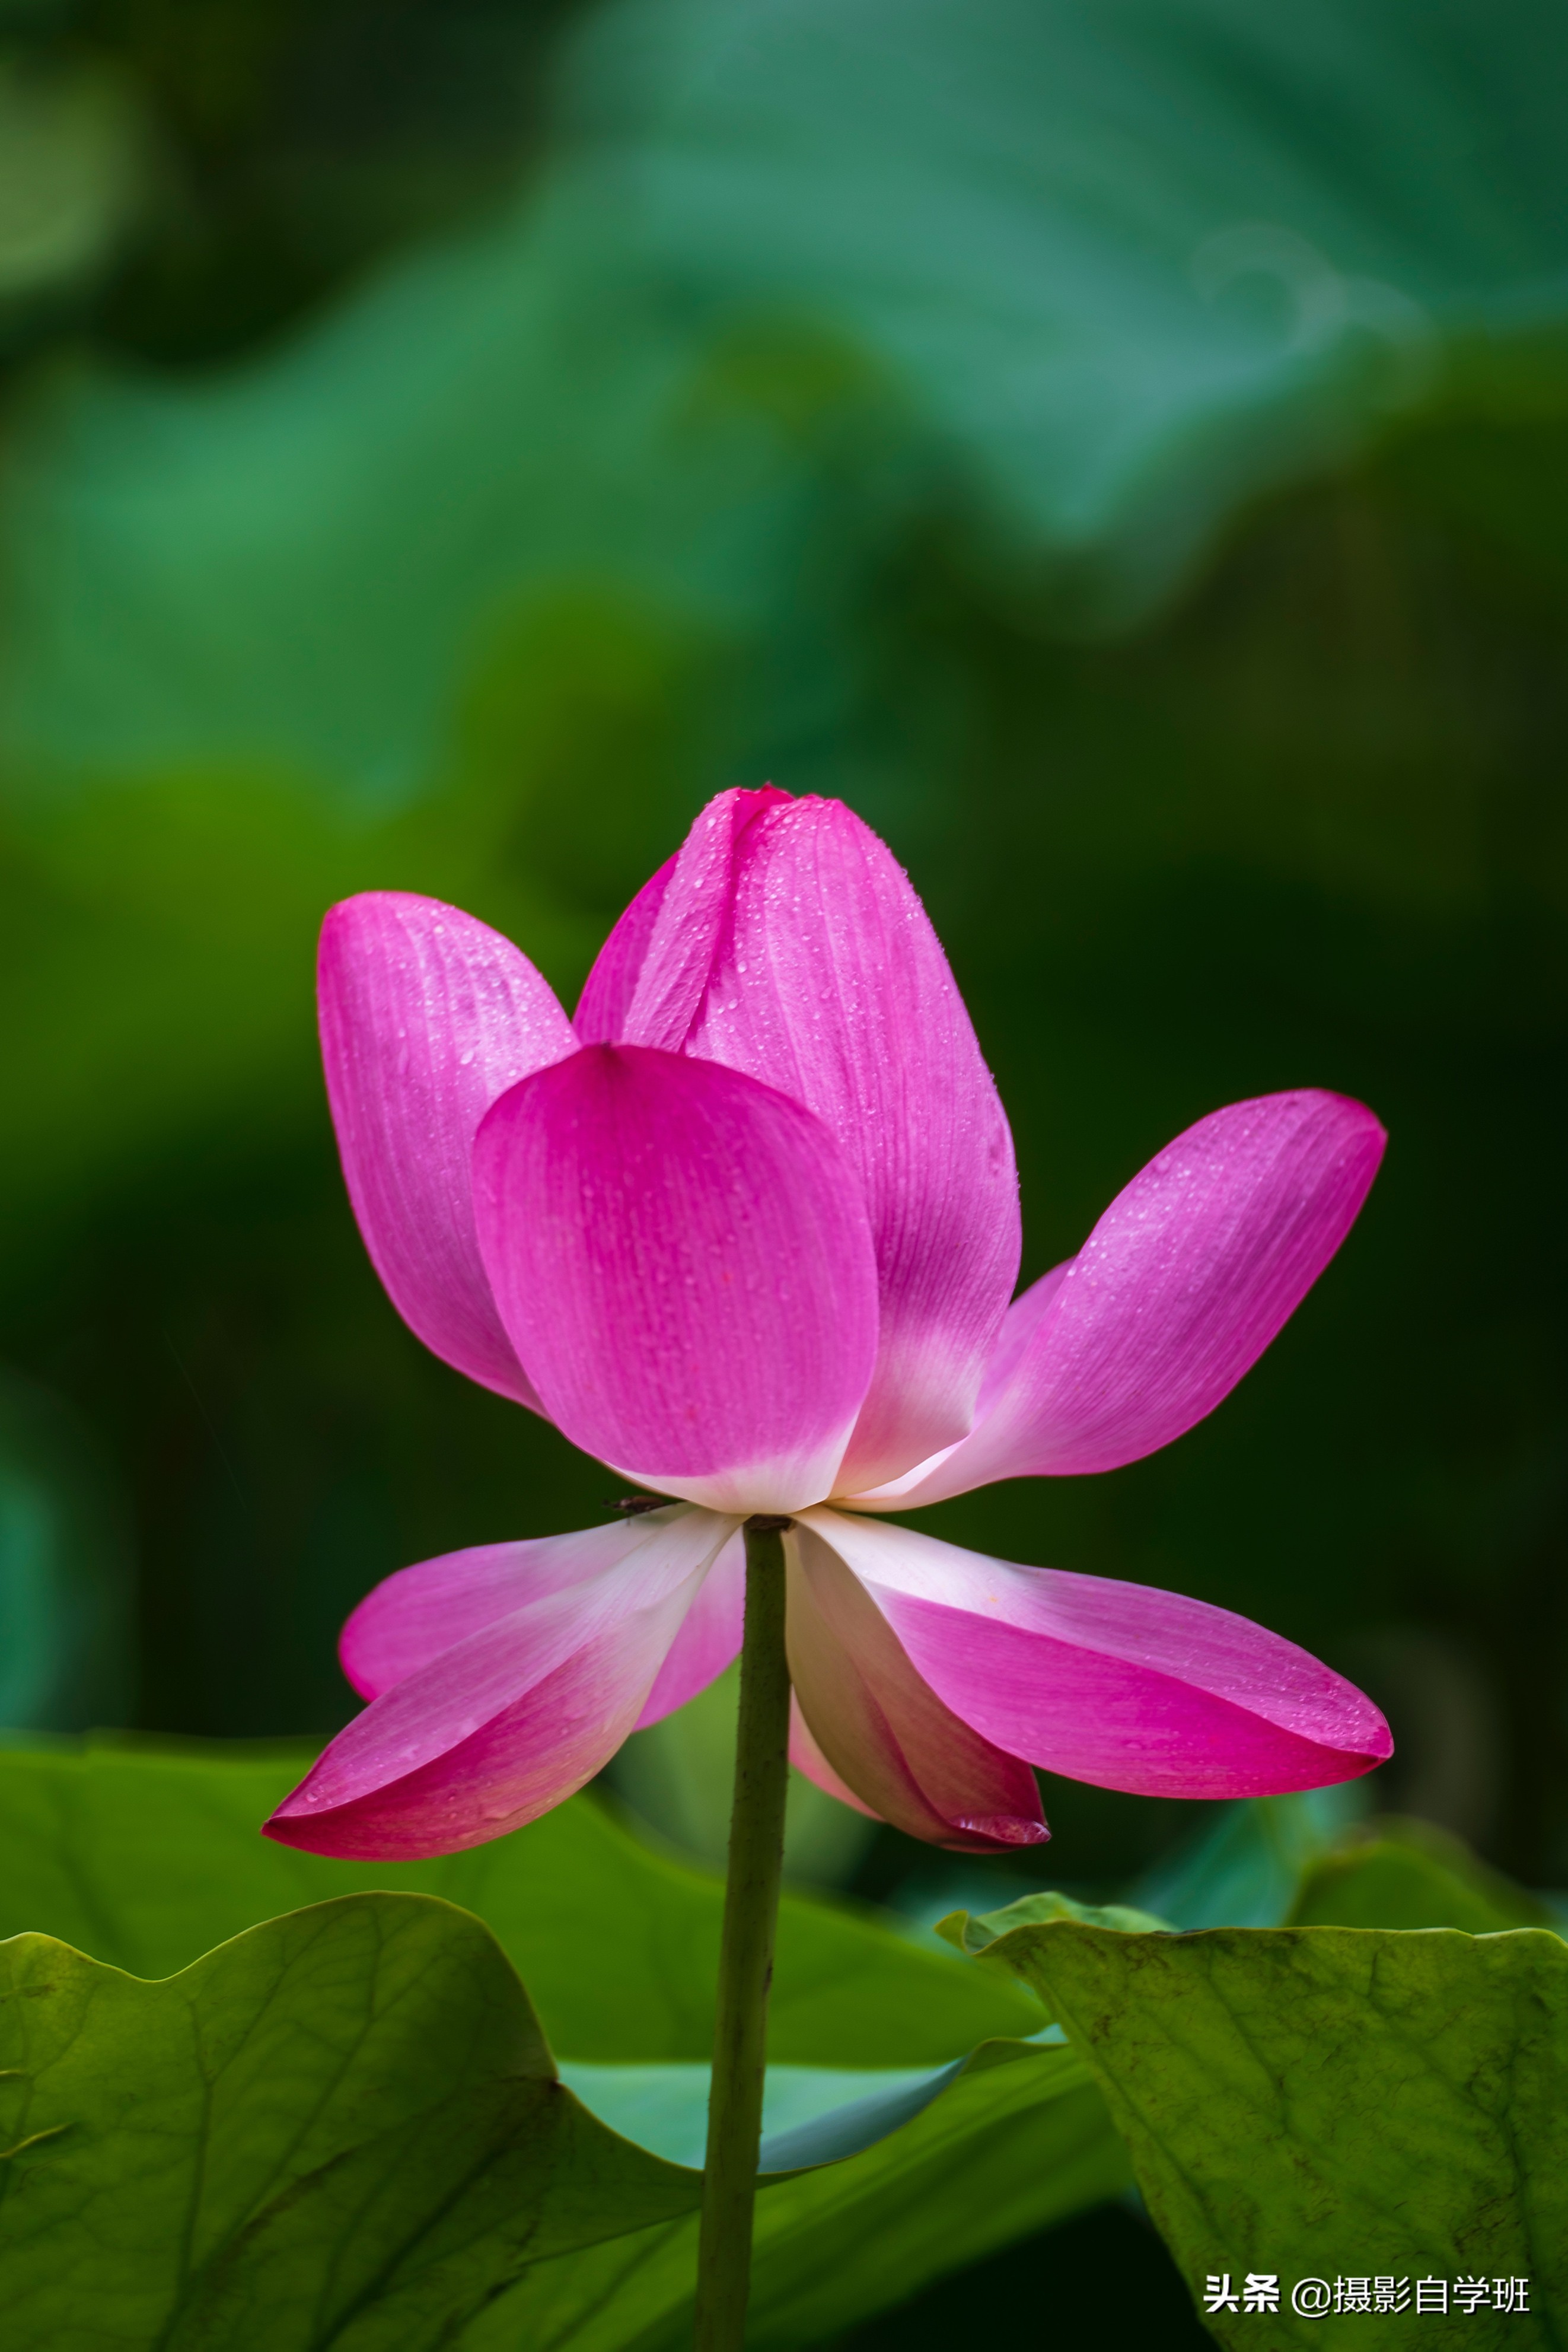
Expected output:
(882, 1729)
(426, 1016)
(516, 1716)
(1110, 1683)
(1180, 1287)
(608, 991)
(783, 940)
(648, 984)
(929, 1480)
(709, 1640)
(830, 984)
(682, 1260)
(412, 1617)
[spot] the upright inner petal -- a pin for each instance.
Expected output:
(603, 1007)
(683, 1261)
(650, 978)
(830, 984)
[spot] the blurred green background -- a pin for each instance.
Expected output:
(1121, 446)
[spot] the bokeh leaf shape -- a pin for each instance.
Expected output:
(1132, 262)
(1329, 2101)
(1244, 1867)
(67, 1573)
(147, 1857)
(191, 905)
(1111, 270)
(498, 418)
(74, 174)
(342, 2128)
(1407, 1874)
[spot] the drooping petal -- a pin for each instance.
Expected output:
(513, 1717)
(808, 1757)
(707, 1642)
(1111, 1683)
(830, 984)
(682, 1260)
(412, 1617)
(883, 1730)
(1180, 1287)
(652, 976)
(426, 1016)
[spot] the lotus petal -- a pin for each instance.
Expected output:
(1187, 1277)
(709, 1641)
(682, 1260)
(426, 1017)
(1114, 1684)
(516, 1714)
(412, 1617)
(808, 1757)
(652, 975)
(789, 944)
(882, 1729)
(607, 993)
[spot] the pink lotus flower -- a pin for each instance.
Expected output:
(747, 1231)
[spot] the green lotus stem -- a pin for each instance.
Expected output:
(745, 1952)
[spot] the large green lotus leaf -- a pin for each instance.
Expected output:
(1019, 2140)
(387, 2147)
(341, 2129)
(1401, 1874)
(1096, 272)
(1333, 2102)
(147, 1857)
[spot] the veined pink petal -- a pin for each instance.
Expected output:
(648, 984)
(826, 981)
(514, 1716)
(883, 1730)
(1111, 1683)
(426, 1016)
(707, 1642)
(412, 1617)
(607, 993)
(929, 1482)
(1177, 1291)
(808, 1757)
(682, 1260)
